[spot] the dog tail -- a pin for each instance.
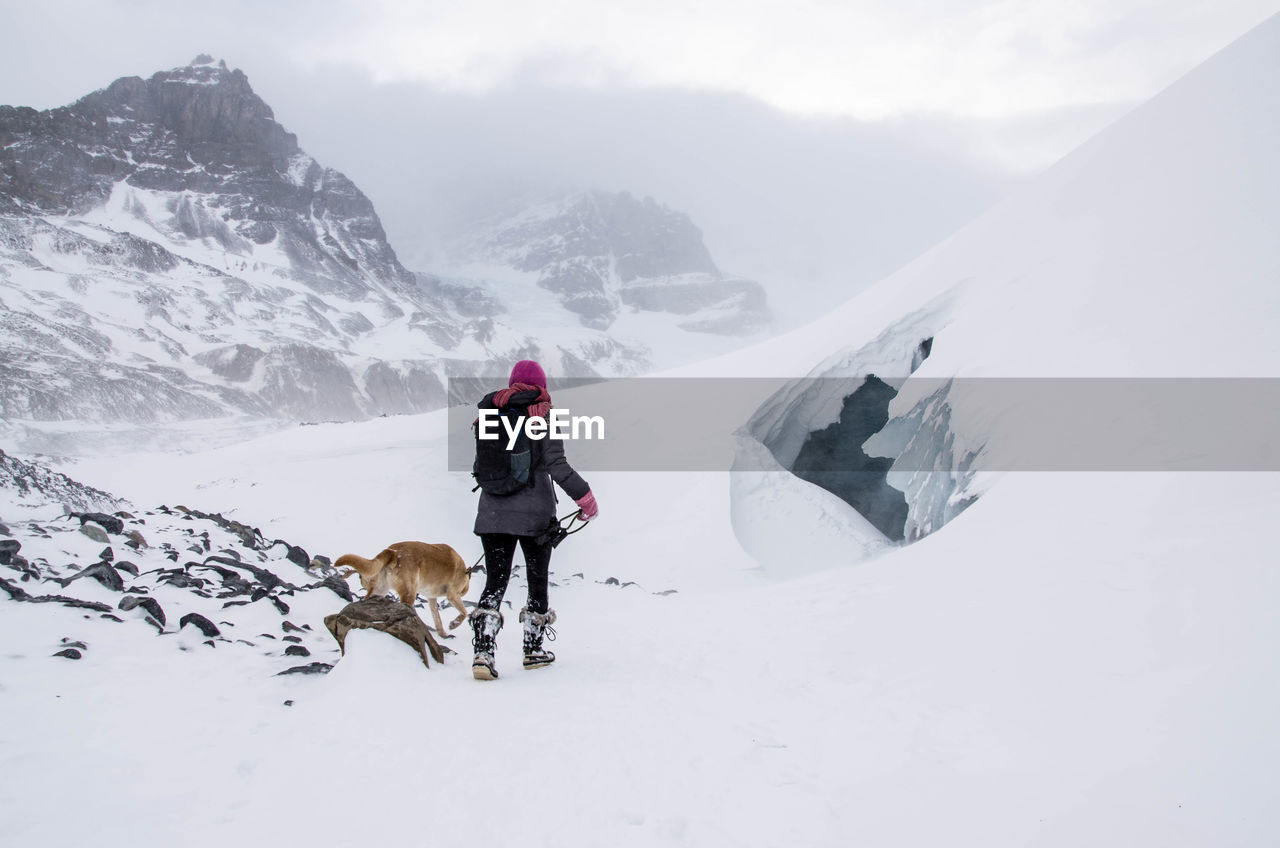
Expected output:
(365, 567)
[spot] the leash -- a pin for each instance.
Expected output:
(555, 534)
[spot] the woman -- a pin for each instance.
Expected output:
(523, 517)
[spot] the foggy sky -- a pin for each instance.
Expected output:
(818, 145)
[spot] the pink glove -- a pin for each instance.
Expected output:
(587, 507)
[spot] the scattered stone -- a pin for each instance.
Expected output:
(198, 621)
(103, 572)
(296, 651)
(74, 644)
(4, 531)
(337, 585)
(107, 554)
(136, 540)
(231, 553)
(109, 523)
(288, 703)
(289, 627)
(298, 556)
(8, 549)
(95, 533)
(69, 653)
(392, 617)
(320, 561)
(280, 605)
(111, 617)
(297, 639)
(665, 592)
(151, 605)
(126, 566)
(309, 668)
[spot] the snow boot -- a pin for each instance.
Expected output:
(485, 624)
(536, 626)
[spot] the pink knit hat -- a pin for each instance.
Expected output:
(528, 371)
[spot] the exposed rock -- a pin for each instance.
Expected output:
(94, 532)
(107, 554)
(296, 651)
(392, 617)
(298, 556)
(126, 566)
(204, 625)
(107, 522)
(103, 572)
(8, 548)
(151, 605)
(69, 653)
(309, 668)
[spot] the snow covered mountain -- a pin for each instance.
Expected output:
(1149, 252)
(1073, 659)
(168, 252)
(604, 253)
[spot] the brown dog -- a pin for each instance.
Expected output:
(410, 568)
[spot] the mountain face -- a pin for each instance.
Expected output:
(169, 252)
(602, 254)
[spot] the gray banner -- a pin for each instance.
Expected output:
(703, 424)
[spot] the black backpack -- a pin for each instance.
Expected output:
(500, 470)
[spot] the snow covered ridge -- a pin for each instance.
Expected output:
(198, 579)
(168, 252)
(602, 254)
(1148, 253)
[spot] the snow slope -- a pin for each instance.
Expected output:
(1079, 658)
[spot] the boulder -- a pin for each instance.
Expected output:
(389, 616)
(95, 533)
(8, 547)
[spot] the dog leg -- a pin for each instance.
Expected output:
(456, 600)
(434, 603)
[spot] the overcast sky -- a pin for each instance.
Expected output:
(845, 136)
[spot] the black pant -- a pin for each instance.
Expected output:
(499, 549)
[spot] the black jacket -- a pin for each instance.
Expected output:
(530, 510)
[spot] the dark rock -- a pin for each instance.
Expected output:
(74, 603)
(4, 531)
(108, 615)
(136, 540)
(666, 592)
(74, 644)
(294, 639)
(198, 621)
(298, 556)
(288, 703)
(296, 651)
(309, 668)
(126, 566)
(280, 605)
(109, 523)
(103, 572)
(107, 554)
(391, 617)
(319, 561)
(8, 547)
(337, 585)
(95, 533)
(69, 653)
(151, 605)
(289, 627)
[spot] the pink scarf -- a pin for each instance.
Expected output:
(541, 407)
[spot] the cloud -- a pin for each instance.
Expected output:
(814, 57)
